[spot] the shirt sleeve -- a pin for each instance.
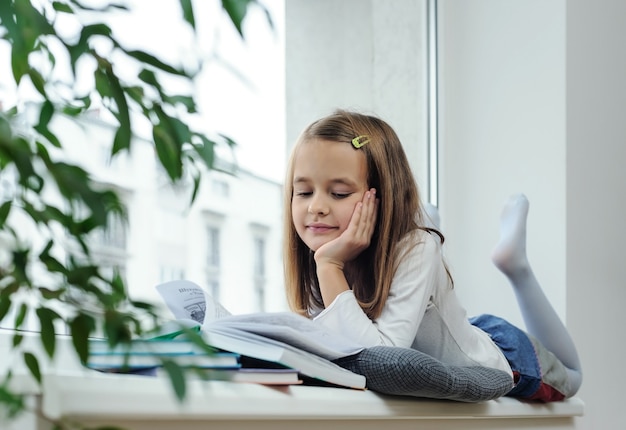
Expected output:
(412, 287)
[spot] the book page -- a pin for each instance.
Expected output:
(187, 300)
(292, 329)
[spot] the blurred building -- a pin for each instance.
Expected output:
(228, 241)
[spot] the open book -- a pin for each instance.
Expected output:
(283, 338)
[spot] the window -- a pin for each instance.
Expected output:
(259, 271)
(114, 236)
(259, 257)
(259, 261)
(110, 246)
(109, 250)
(171, 273)
(213, 258)
(213, 247)
(220, 187)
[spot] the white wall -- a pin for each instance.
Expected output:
(533, 100)
(596, 202)
(366, 55)
(502, 131)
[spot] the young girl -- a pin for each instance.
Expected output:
(360, 259)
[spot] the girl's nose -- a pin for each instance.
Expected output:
(318, 206)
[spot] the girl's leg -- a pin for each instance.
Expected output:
(539, 316)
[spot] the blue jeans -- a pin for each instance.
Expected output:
(518, 350)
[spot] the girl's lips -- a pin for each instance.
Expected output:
(320, 228)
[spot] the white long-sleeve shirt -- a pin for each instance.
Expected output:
(421, 312)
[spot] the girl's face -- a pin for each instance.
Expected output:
(329, 179)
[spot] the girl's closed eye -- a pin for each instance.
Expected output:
(341, 195)
(302, 193)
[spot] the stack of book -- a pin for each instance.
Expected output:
(147, 356)
(270, 339)
(267, 348)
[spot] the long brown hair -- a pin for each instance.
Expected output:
(400, 213)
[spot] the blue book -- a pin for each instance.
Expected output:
(146, 347)
(142, 360)
(145, 353)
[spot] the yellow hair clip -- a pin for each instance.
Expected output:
(359, 141)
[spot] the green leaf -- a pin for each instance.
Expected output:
(194, 336)
(33, 24)
(19, 62)
(48, 335)
(45, 114)
(228, 140)
(47, 111)
(21, 315)
(206, 151)
(123, 135)
(268, 15)
(143, 305)
(122, 139)
(9, 290)
(95, 29)
(17, 340)
(136, 93)
(145, 58)
(6, 134)
(149, 78)
(236, 10)
(21, 155)
(81, 328)
(177, 378)
(168, 151)
(42, 151)
(7, 18)
(102, 83)
(62, 7)
(196, 187)
(186, 101)
(181, 130)
(49, 294)
(20, 263)
(188, 15)
(5, 209)
(38, 81)
(80, 106)
(104, 8)
(117, 284)
(116, 327)
(12, 403)
(5, 305)
(33, 365)
(81, 275)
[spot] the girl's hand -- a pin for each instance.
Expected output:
(355, 238)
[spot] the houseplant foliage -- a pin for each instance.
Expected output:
(31, 155)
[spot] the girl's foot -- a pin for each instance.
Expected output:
(509, 255)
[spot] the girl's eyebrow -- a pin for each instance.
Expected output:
(341, 181)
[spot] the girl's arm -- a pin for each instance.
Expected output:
(420, 273)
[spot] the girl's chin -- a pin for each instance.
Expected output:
(315, 245)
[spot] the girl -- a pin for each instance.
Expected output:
(361, 260)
